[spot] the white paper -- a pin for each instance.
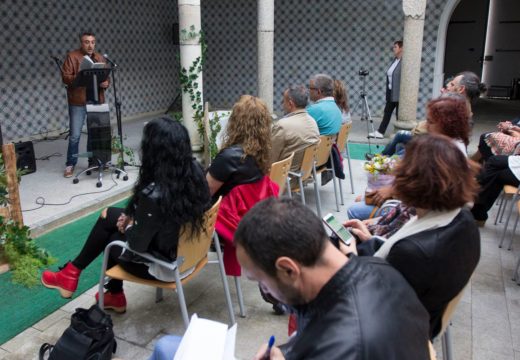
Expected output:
(207, 340)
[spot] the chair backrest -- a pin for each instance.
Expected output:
(309, 156)
(194, 247)
(323, 152)
(450, 308)
(344, 130)
(280, 171)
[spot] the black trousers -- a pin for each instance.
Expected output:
(104, 232)
(493, 177)
(389, 109)
(483, 148)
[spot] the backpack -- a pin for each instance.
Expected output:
(89, 337)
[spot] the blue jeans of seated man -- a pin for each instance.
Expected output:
(361, 211)
(401, 138)
(77, 117)
(166, 347)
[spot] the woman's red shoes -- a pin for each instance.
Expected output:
(65, 280)
(113, 301)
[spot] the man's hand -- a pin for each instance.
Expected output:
(380, 195)
(276, 353)
(104, 84)
(359, 229)
(504, 126)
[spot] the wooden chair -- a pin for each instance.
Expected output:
(192, 256)
(280, 173)
(447, 351)
(305, 171)
(342, 143)
(323, 154)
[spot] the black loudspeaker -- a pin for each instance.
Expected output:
(25, 159)
(100, 134)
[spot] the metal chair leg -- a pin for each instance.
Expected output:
(341, 198)
(216, 242)
(240, 296)
(288, 185)
(500, 204)
(510, 246)
(447, 348)
(158, 295)
(302, 195)
(349, 168)
(334, 179)
(182, 300)
(515, 273)
(503, 210)
(316, 191)
(513, 202)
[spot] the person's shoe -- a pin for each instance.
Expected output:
(65, 280)
(369, 156)
(114, 301)
(376, 134)
(69, 171)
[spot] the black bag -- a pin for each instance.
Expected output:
(89, 337)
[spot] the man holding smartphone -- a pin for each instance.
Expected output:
(343, 311)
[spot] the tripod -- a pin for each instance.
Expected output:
(365, 109)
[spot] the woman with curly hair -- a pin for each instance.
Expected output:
(438, 249)
(245, 154)
(171, 192)
(449, 115)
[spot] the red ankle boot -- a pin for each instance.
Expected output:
(65, 280)
(114, 301)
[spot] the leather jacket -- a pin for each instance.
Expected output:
(437, 263)
(365, 311)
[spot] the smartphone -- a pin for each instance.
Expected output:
(337, 228)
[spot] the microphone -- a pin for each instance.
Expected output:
(112, 62)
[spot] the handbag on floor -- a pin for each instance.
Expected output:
(90, 337)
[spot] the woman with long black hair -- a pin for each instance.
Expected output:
(171, 191)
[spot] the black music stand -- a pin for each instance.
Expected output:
(98, 125)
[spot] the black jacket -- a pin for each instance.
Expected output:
(437, 263)
(366, 311)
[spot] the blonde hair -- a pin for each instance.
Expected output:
(340, 95)
(250, 126)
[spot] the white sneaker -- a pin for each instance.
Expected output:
(376, 134)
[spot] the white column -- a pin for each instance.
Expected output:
(265, 33)
(190, 49)
(414, 11)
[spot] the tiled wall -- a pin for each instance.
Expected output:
(338, 37)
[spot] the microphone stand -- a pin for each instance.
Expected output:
(117, 104)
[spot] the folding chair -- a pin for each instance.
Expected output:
(447, 351)
(305, 171)
(342, 143)
(323, 153)
(280, 173)
(192, 256)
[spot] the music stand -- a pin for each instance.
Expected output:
(98, 115)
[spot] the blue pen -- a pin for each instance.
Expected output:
(270, 344)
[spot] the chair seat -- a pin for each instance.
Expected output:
(117, 272)
(510, 190)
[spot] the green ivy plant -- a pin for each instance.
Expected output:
(16, 246)
(127, 151)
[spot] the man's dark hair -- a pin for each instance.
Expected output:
(281, 227)
(399, 43)
(324, 83)
(472, 84)
(299, 95)
(86, 33)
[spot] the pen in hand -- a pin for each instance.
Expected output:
(267, 354)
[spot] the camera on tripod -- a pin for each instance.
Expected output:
(363, 72)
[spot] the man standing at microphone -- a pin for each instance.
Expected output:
(77, 96)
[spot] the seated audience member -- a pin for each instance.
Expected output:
(505, 141)
(445, 115)
(347, 308)
(296, 130)
(341, 99)
(171, 191)
(498, 170)
(466, 84)
(437, 250)
(239, 171)
(324, 109)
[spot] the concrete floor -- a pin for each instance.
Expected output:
(486, 324)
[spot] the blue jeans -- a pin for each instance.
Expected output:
(166, 347)
(77, 117)
(396, 146)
